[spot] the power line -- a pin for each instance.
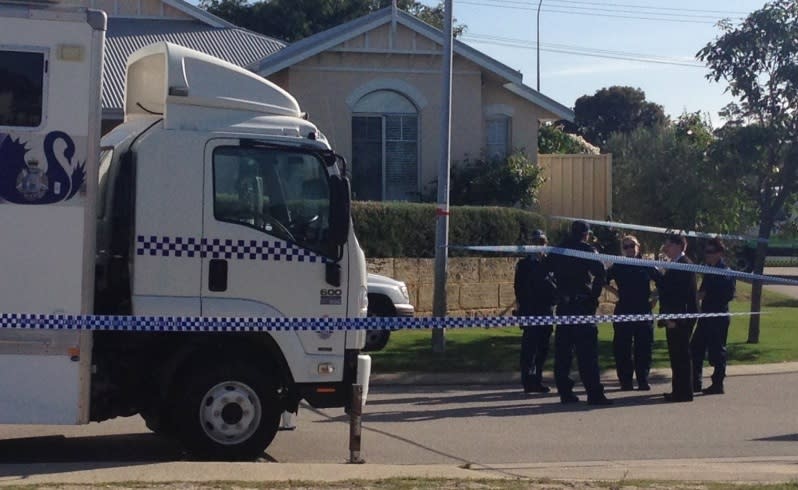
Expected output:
(595, 12)
(581, 51)
(632, 6)
(625, 7)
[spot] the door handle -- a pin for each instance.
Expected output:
(217, 275)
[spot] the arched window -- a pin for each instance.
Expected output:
(385, 147)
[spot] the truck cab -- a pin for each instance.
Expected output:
(217, 198)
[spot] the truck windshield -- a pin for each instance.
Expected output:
(282, 192)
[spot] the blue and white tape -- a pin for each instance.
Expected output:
(617, 259)
(657, 229)
(99, 323)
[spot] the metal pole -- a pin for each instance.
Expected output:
(439, 306)
(355, 425)
(538, 43)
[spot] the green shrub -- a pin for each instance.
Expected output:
(400, 229)
(494, 181)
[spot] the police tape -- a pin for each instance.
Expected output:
(617, 259)
(162, 324)
(657, 229)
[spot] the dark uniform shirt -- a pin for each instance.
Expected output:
(634, 288)
(534, 287)
(718, 291)
(577, 279)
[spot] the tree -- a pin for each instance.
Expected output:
(292, 20)
(615, 110)
(759, 60)
(663, 175)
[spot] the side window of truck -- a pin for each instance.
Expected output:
(22, 84)
(284, 193)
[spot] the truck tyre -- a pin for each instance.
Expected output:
(378, 306)
(228, 413)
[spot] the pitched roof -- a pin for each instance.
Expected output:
(313, 45)
(125, 35)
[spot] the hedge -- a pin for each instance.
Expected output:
(401, 229)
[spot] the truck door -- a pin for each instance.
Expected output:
(266, 238)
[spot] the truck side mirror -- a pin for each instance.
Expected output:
(340, 208)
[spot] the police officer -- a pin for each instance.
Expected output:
(677, 294)
(633, 288)
(534, 295)
(579, 284)
(711, 333)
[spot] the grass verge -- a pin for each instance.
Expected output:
(497, 349)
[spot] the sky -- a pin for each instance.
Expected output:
(670, 32)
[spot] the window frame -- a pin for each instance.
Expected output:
(45, 53)
(383, 153)
(508, 136)
(326, 249)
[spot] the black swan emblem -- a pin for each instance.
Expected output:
(26, 182)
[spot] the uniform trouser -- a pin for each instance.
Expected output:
(681, 362)
(583, 341)
(709, 341)
(534, 349)
(629, 360)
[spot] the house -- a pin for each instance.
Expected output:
(372, 85)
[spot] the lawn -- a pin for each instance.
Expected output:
(497, 349)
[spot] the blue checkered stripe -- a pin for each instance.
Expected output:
(220, 248)
(237, 324)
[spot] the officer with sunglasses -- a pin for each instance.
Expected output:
(709, 338)
(632, 342)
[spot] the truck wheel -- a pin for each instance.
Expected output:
(228, 413)
(378, 306)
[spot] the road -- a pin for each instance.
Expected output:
(791, 272)
(479, 425)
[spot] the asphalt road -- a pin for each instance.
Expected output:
(791, 272)
(480, 425)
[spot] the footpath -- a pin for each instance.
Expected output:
(167, 475)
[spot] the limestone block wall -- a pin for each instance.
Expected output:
(478, 286)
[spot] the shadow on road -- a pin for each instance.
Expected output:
(781, 438)
(145, 447)
(438, 402)
(90, 452)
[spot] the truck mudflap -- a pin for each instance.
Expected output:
(357, 370)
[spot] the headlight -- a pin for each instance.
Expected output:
(363, 300)
(405, 294)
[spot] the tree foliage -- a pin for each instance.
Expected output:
(663, 175)
(759, 61)
(292, 20)
(552, 139)
(615, 110)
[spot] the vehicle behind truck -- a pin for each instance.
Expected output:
(215, 199)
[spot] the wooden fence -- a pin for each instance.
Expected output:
(576, 185)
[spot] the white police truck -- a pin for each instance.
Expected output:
(215, 199)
